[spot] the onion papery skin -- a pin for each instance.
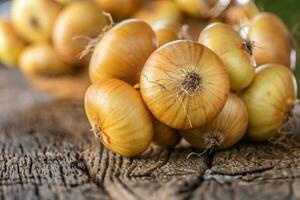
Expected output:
(166, 31)
(225, 130)
(272, 40)
(77, 22)
(269, 100)
(223, 40)
(164, 136)
(123, 51)
(117, 111)
(165, 77)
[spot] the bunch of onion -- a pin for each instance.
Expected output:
(184, 87)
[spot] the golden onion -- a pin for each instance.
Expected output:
(165, 136)
(123, 51)
(166, 31)
(119, 117)
(232, 50)
(41, 59)
(272, 40)
(34, 19)
(224, 131)
(184, 84)
(270, 100)
(72, 32)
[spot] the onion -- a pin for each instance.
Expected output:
(165, 136)
(230, 47)
(240, 14)
(11, 44)
(153, 11)
(184, 84)
(166, 31)
(41, 59)
(123, 51)
(72, 31)
(203, 8)
(224, 131)
(272, 40)
(119, 9)
(34, 19)
(119, 117)
(270, 100)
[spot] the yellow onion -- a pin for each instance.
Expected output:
(123, 51)
(272, 40)
(34, 19)
(119, 9)
(203, 8)
(165, 136)
(11, 44)
(240, 14)
(270, 100)
(119, 117)
(74, 26)
(230, 47)
(41, 59)
(153, 11)
(184, 84)
(166, 31)
(224, 131)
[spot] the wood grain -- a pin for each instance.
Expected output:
(48, 152)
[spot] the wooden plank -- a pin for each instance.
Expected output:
(155, 175)
(48, 152)
(40, 155)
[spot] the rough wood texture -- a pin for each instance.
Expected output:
(48, 152)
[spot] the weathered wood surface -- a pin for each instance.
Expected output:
(48, 152)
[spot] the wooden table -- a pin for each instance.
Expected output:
(48, 152)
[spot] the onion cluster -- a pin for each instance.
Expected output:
(151, 81)
(212, 92)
